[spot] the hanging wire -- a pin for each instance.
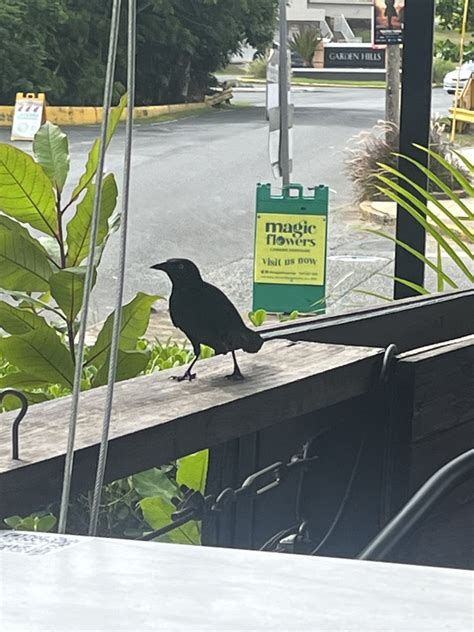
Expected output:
(115, 344)
(108, 87)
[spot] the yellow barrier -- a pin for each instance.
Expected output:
(88, 115)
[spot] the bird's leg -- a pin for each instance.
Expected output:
(188, 375)
(236, 375)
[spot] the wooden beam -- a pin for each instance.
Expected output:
(443, 386)
(432, 396)
(157, 420)
(408, 323)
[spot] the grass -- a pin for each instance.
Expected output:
(306, 81)
(232, 69)
(166, 118)
(453, 36)
(303, 81)
(464, 140)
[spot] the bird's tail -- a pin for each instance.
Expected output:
(251, 341)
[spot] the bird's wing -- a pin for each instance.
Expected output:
(221, 313)
(226, 329)
(207, 316)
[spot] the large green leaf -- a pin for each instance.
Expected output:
(93, 158)
(15, 320)
(154, 482)
(26, 192)
(129, 364)
(192, 470)
(18, 228)
(30, 302)
(51, 150)
(40, 353)
(135, 319)
(67, 288)
(24, 266)
(79, 228)
(157, 512)
(22, 381)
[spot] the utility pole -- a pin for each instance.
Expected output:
(392, 89)
(284, 149)
(415, 120)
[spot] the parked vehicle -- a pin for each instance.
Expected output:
(451, 78)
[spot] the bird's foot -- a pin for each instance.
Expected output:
(187, 376)
(236, 376)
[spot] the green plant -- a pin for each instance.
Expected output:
(448, 50)
(133, 505)
(305, 42)
(143, 502)
(59, 46)
(257, 68)
(44, 276)
(259, 317)
(451, 230)
(369, 149)
(450, 14)
(42, 521)
(440, 68)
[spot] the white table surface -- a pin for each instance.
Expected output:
(55, 583)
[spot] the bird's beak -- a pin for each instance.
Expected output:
(159, 266)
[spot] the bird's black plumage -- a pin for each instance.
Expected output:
(206, 315)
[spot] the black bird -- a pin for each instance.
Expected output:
(206, 316)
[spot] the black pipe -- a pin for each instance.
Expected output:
(442, 482)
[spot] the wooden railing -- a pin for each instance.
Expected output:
(302, 388)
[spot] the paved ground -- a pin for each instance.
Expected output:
(193, 192)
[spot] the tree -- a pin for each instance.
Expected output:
(28, 47)
(305, 42)
(60, 46)
(450, 13)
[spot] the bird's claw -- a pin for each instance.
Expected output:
(181, 378)
(235, 377)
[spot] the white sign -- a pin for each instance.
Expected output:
(28, 116)
(273, 112)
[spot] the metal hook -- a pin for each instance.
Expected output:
(390, 352)
(19, 417)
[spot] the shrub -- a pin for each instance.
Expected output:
(379, 145)
(449, 51)
(136, 504)
(451, 230)
(440, 68)
(305, 42)
(257, 68)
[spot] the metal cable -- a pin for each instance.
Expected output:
(115, 343)
(108, 87)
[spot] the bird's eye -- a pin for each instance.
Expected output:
(180, 267)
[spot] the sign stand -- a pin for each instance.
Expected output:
(290, 249)
(29, 115)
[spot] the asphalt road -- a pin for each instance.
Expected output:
(193, 192)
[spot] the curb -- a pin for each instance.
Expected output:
(371, 214)
(91, 115)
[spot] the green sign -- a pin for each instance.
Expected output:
(290, 249)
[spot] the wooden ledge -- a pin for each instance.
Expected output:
(156, 419)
